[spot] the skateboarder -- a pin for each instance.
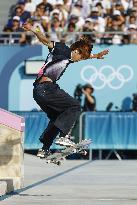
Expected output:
(61, 108)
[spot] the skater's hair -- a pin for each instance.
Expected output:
(84, 46)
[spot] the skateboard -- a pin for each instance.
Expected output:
(80, 147)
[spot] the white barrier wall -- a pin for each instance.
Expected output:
(11, 150)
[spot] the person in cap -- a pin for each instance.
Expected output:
(78, 21)
(62, 109)
(116, 22)
(77, 9)
(60, 6)
(99, 22)
(89, 101)
(119, 7)
(15, 25)
(88, 27)
(20, 11)
(132, 33)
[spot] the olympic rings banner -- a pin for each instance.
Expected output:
(93, 75)
(113, 78)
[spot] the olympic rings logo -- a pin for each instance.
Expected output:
(115, 79)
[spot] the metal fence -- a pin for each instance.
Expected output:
(7, 38)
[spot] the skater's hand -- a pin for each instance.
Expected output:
(101, 54)
(27, 26)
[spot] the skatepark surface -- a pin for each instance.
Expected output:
(78, 182)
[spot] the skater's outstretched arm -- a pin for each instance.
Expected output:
(28, 27)
(100, 55)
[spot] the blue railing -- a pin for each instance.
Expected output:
(110, 130)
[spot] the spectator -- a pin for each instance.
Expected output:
(20, 11)
(30, 6)
(125, 4)
(70, 36)
(89, 25)
(46, 6)
(77, 9)
(116, 22)
(67, 5)
(14, 26)
(99, 22)
(130, 20)
(132, 5)
(63, 13)
(101, 10)
(132, 33)
(55, 30)
(118, 6)
(106, 4)
(86, 8)
(40, 12)
(89, 101)
(76, 16)
(78, 21)
(57, 14)
(26, 38)
(133, 11)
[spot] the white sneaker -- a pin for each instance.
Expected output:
(64, 141)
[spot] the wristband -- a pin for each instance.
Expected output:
(35, 30)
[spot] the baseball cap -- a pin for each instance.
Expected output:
(88, 19)
(16, 18)
(116, 13)
(55, 11)
(95, 9)
(134, 9)
(88, 86)
(132, 26)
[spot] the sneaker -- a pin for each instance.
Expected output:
(64, 141)
(42, 153)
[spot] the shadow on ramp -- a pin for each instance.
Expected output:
(17, 192)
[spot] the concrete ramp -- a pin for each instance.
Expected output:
(11, 149)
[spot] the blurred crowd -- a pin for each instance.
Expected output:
(110, 21)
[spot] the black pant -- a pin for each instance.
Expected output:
(61, 109)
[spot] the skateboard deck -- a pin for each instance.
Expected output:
(80, 147)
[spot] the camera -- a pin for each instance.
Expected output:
(78, 92)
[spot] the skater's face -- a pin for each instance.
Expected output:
(76, 56)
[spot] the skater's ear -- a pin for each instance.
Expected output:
(83, 47)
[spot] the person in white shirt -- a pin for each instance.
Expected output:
(30, 6)
(98, 20)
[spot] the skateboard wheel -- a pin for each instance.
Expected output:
(85, 153)
(48, 161)
(58, 163)
(75, 151)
